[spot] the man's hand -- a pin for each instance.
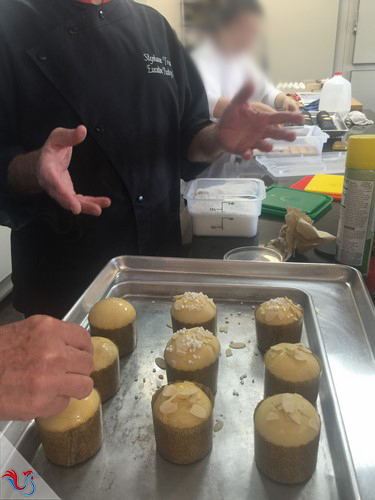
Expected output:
(285, 103)
(246, 126)
(43, 362)
(53, 174)
(47, 169)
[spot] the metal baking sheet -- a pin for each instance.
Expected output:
(341, 127)
(338, 309)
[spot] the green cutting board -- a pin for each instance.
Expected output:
(280, 198)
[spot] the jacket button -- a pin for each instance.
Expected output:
(42, 57)
(101, 14)
(73, 30)
(99, 129)
(140, 199)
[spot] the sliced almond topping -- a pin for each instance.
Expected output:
(272, 416)
(288, 403)
(270, 316)
(300, 356)
(228, 353)
(160, 362)
(313, 424)
(218, 426)
(169, 391)
(296, 417)
(167, 407)
(277, 348)
(186, 392)
(291, 348)
(237, 345)
(198, 411)
(304, 349)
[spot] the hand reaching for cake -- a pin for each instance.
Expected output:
(43, 363)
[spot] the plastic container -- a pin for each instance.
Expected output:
(280, 198)
(225, 207)
(254, 254)
(336, 95)
(311, 137)
(298, 166)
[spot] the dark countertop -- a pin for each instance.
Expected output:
(269, 227)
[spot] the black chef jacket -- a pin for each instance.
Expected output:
(119, 69)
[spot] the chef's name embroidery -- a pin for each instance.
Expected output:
(158, 65)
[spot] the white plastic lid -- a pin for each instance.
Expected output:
(224, 189)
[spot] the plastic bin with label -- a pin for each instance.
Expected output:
(225, 207)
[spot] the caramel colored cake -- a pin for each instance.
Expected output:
(193, 309)
(193, 355)
(106, 374)
(286, 430)
(278, 320)
(292, 368)
(75, 434)
(183, 422)
(114, 319)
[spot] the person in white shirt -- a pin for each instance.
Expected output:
(224, 56)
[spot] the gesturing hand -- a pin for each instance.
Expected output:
(43, 362)
(53, 174)
(245, 126)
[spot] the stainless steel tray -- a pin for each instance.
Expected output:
(341, 127)
(337, 308)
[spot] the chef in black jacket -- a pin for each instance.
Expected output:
(119, 69)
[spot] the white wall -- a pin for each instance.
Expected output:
(301, 38)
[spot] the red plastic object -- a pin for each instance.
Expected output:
(300, 185)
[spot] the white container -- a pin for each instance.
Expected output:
(311, 137)
(300, 166)
(225, 207)
(336, 95)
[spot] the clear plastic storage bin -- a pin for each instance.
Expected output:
(310, 141)
(225, 207)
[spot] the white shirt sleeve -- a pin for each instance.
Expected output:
(265, 91)
(210, 77)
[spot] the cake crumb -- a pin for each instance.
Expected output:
(223, 329)
(237, 345)
(169, 326)
(235, 393)
(144, 380)
(256, 354)
(136, 396)
(228, 353)
(253, 381)
(153, 302)
(161, 377)
(218, 425)
(160, 362)
(242, 382)
(154, 370)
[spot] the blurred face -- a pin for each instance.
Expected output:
(240, 34)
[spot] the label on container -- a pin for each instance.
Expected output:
(355, 221)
